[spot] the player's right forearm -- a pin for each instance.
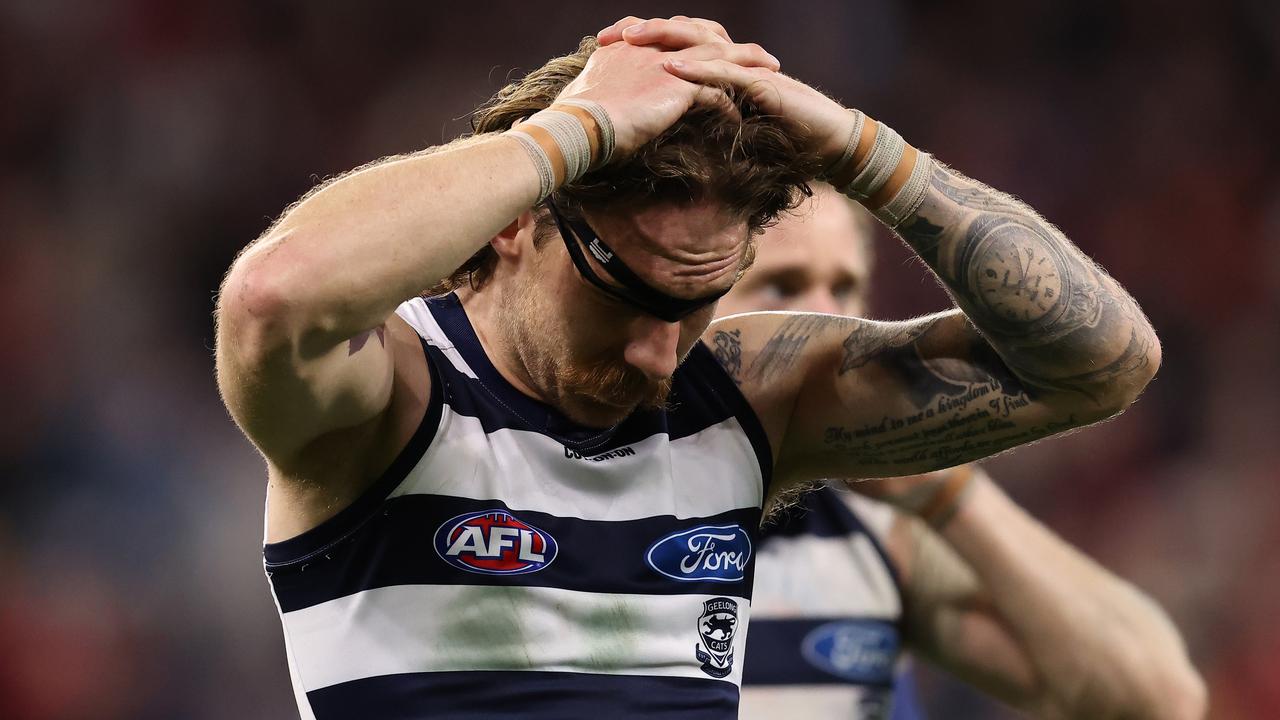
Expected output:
(341, 260)
(1099, 646)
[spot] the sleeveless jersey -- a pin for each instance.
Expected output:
(514, 564)
(827, 616)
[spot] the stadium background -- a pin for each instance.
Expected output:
(143, 143)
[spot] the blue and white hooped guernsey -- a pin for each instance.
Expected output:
(511, 563)
(826, 631)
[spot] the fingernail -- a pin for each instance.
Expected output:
(634, 29)
(677, 64)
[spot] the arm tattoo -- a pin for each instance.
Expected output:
(357, 341)
(870, 339)
(727, 350)
(1059, 322)
(788, 341)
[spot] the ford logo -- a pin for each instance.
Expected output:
(494, 542)
(857, 651)
(711, 552)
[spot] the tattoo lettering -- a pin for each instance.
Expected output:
(727, 350)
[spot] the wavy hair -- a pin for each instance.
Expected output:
(752, 166)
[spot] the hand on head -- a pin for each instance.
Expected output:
(701, 51)
(632, 82)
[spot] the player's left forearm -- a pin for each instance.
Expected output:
(1100, 647)
(1059, 321)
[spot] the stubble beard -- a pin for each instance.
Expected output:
(598, 393)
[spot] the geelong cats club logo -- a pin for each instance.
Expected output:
(716, 628)
(494, 542)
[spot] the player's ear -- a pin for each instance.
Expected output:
(509, 242)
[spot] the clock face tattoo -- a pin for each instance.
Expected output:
(1016, 275)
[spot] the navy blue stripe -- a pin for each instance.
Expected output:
(702, 395)
(395, 547)
(500, 695)
(822, 513)
(351, 518)
(842, 651)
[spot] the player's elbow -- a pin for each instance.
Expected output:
(1126, 377)
(256, 309)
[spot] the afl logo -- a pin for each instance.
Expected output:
(494, 542)
(711, 552)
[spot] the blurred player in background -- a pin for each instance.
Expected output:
(944, 564)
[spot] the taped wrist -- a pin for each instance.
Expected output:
(850, 147)
(910, 196)
(878, 166)
(560, 139)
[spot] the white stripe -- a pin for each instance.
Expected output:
(696, 476)
(299, 695)
(415, 312)
(425, 628)
(770, 702)
(876, 516)
(811, 576)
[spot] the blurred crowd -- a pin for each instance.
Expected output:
(144, 142)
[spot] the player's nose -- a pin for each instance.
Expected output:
(653, 347)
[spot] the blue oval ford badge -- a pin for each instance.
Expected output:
(709, 552)
(494, 542)
(860, 651)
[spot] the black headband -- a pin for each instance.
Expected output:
(634, 291)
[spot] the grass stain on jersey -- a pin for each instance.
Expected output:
(483, 629)
(613, 636)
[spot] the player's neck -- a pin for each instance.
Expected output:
(482, 308)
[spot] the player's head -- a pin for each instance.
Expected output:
(602, 333)
(817, 259)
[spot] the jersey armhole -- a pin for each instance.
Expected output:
(320, 538)
(727, 389)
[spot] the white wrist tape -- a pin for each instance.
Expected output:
(546, 172)
(878, 166)
(570, 136)
(909, 197)
(851, 146)
(602, 121)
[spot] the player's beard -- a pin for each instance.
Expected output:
(596, 392)
(613, 385)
